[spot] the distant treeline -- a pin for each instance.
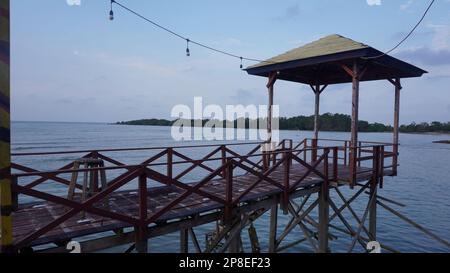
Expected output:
(327, 122)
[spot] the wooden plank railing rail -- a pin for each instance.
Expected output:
(229, 164)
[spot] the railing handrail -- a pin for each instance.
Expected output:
(185, 147)
(362, 141)
(225, 170)
(194, 161)
(137, 149)
(62, 171)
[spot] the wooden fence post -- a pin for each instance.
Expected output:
(373, 192)
(141, 230)
(324, 207)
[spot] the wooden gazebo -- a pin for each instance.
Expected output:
(336, 59)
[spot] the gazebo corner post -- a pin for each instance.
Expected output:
(317, 89)
(314, 141)
(356, 75)
(355, 121)
(6, 239)
(270, 88)
(395, 150)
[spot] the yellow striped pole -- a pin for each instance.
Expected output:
(6, 239)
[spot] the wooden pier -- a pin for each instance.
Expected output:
(263, 180)
(122, 204)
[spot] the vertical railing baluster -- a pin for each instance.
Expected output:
(141, 230)
(286, 186)
(352, 165)
(291, 147)
(228, 190)
(94, 187)
(143, 195)
(314, 151)
(381, 164)
(170, 164)
(345, 153)
(223, 150)
(359, 153)
(326, 152)
(375, 164)
(305, 146)
(335, 163)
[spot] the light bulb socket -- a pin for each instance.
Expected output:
(188, 52)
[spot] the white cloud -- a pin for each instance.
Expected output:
(406, 5)
(441, 37)
(73, 2)
(373, 2)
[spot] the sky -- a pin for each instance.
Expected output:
(70, 63)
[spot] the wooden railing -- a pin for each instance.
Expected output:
(259, 162)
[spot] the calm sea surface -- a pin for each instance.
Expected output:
(423, 183)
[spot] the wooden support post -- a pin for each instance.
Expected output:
(273, 228)
(6, 239)
(235, 244)
(184, 240)
(254, 239)
(398, 88)
(194, 240)
(286, 185)
(316, 111)
(228, 215)
(270, 84)
(317, 91)
(324, 208)
(373, 194)
(314, 150)
(141, 240)
(355, 120)
(373, 213)
(141, 230)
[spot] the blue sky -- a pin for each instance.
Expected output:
(70, 63)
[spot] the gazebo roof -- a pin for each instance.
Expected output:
(320, 62)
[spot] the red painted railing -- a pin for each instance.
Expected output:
(259, 163)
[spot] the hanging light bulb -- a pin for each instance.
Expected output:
(188, 52)
(241, 63)
(111, 13)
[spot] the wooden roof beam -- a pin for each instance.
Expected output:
(396, 83)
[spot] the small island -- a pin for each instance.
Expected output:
(327, 122)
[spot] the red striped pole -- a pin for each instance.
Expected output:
(5, 135)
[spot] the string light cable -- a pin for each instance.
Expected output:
(406, 37)
(188, 41)
(239, 57)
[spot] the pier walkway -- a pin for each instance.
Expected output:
(279, 174)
